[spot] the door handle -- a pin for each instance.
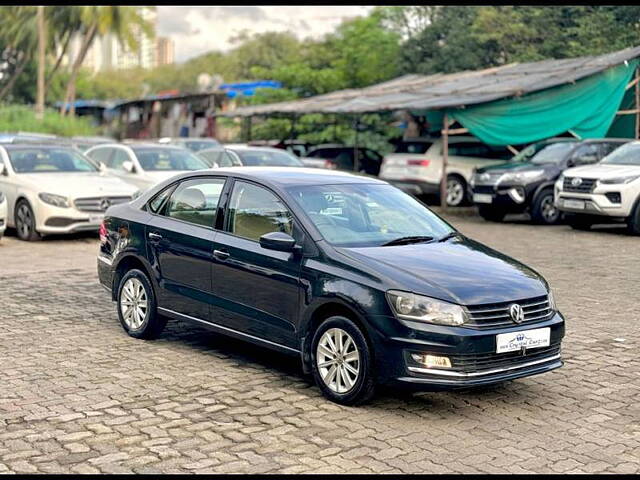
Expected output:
(155, 237)
(221, 254)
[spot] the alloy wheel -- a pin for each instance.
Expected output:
(134, 303)
(549, 211)
(24, 220)
(455, 192)
(338, 360)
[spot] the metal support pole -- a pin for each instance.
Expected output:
(355, 146)
(292, 133)
(445, 161)
(637, 91)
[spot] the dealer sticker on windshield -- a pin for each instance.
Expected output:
(512, 342)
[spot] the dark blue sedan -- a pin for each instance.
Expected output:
(360, 281)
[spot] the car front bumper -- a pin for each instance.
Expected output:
(472, 353)
(514, 198)
(55, 220)
(597, 203)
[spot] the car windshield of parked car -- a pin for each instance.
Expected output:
(367, 215)
(413, 147)
(553, 153)
(163, 159)
(268, 158)
(628, 154)
(197, 145)
(49, 160)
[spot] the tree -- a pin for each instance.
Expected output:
(42, 46)
(119, 21)
(18, 35)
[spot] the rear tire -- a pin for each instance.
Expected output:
(137, 307)
(456, 191)
(543, 210)
(491, 214)
(578, 222)
(342, 362)
(633, 222)
(25, 222)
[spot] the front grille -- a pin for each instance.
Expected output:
(497, 314)
(483, 189)
(98, 204)
(586, 185)
(469, 363)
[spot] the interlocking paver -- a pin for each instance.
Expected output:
(80, 396)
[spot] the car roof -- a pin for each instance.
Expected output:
(18, 146)
(608, 140)
(291, 176)
(259, 148)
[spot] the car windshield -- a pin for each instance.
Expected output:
(197, 145)
(553, 153)
(413, 147)
(163, 159)
(268, 158)
(367, 215)
(628, 154)
(49, 160)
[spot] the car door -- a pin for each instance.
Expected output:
(180, 242)
(257, 290)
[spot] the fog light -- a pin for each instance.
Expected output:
(431, 361)
(517, 194)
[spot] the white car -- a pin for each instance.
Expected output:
(416, 165)
(606, 192)
(55, 189)
(3, 213)
(145, 164)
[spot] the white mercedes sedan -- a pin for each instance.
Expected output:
(145, 164)
(53, 189)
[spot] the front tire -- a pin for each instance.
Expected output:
(543, 210)
(633, 223)
(137, 307)
(342, 362)
(25, 222)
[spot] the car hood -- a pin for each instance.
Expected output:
(78, 184)
(459, 270)
(603, 170)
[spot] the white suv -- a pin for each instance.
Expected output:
(416, 165)
(603, 193)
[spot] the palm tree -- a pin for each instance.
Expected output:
(18, 35)
(122, 22)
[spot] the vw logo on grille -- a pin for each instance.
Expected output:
(516, 312)
(105, 203)
(576, 182)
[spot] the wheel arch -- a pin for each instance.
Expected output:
(128, 262)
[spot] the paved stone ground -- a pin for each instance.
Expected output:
(78, 395)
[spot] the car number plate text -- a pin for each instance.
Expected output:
(482, 198)
(577, 204)
(514, 341)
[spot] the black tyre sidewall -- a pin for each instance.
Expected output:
(33, 235)
(536, 209)
(153, 323)
(465, 194)
(364, 387)
(634, 220)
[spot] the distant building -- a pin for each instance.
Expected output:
(106, 52)
(164, 51)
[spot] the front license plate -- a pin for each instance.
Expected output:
(575, 204)
(482, 198)
(512, 342)
(96, 218)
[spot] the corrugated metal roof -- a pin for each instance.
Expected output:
(422, 92)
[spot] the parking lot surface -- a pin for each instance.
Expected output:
(78, 395)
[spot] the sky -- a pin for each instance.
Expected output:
(196, 30)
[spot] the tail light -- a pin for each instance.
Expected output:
(330, 165)
(419, 162)
(103, 233)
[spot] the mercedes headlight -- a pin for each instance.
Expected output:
(418, 308)
(522, 176)
(619, 180)
(55, 200)
(552, 301)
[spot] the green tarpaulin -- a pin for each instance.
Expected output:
(587, 108)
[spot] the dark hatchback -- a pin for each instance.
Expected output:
(527, 186)
(361, 281)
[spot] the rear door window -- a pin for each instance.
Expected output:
(196, 201)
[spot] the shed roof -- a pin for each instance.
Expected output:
(422, 92)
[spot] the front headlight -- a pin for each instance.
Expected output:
(418, 308)
(619, 180)
(55, 200)
(552, 301)
(522, 176)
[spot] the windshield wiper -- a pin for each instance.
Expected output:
(408, 240)
(448, 236)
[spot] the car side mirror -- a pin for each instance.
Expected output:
(278, 241)
(571, 163)
(128, 166)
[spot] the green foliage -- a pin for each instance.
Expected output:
(15, 118)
